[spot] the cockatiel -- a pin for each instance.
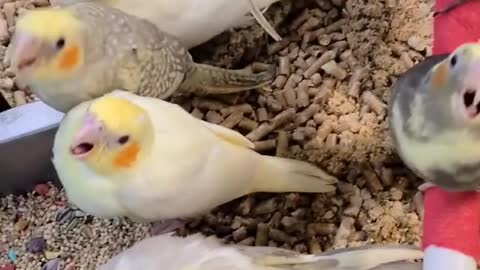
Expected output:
(150, 160)
(194, 22)
(434, 118)
(81, 51)
(208, 253)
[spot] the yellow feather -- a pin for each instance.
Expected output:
(229, 135)
(471, 49)
(119, 115)
(49, 23)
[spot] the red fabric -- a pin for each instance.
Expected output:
(452, 220)
(460, 25)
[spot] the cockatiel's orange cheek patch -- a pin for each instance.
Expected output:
(440, 75)
(69, 58)
(128, 156)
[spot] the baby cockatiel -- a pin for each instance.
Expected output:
(194, 22)
(150, 160)
(81, 51)
(434, 119)
(208, 253)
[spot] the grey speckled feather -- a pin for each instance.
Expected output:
(156, 60)
(197, 252)
(407, 86)
(428, 122)
(131, 53)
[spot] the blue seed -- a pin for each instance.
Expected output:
(12, 255)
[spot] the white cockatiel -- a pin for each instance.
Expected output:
(197, 252)
(196, 21)
(150, 160)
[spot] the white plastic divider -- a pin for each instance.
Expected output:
(27, 119)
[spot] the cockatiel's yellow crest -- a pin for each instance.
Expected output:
(118, 114)
(50, 23)
(52, 39)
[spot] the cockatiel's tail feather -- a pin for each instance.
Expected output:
(275, 174)
(206, 79)
(258, 15)
(197, 252)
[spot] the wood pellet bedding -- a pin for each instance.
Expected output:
(327, 105)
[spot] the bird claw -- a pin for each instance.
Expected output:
(166, 226)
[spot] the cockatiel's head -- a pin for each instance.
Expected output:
(114, 135)
(455, 84)
(48, 45)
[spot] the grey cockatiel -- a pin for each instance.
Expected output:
(81, 51)
(194, 22)
(434, 118)
(197, 252)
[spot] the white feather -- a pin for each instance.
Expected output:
(197, 252)
(195, 21)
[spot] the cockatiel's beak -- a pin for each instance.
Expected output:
(26, 52)
(89, 136)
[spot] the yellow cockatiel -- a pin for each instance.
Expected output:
(150, 160)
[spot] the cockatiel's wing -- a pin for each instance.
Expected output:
(197, 252)
(176, 113)
(229, 135)
(199, 79)
(145, 51)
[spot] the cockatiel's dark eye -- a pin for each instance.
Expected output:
(60, 43)
(123, 139)
(453, 61)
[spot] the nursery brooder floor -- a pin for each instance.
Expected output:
(330, 113)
